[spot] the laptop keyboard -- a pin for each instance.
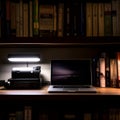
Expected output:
(71, 86)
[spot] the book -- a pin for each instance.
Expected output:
(102, 69)
(21, 26)
(3, 18)
(89, 19)
(35, 18)
(118, 17)
(47, 20)
(13, 17)
(83, 19)
(118, 68)
(8, 18)
(100, 19)
(27, 112)
(25, 19)
(12, 116)
(19, 115)
(68, 19)
(113, 70)
(30, 18)
(107, 69)
(107, 20)
(95, 71)
(114, 17)
(95, 19)
(60, 22)
(76, 18)
(17, 6)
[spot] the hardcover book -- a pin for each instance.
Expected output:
(47, 20)
(89, 19)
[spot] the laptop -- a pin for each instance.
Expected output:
(71, 76)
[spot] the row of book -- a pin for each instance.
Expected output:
(106, 69)
(103, 114)
(102, 19)
(24, 113)
(28, 18)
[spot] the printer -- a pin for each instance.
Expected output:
(25, 78)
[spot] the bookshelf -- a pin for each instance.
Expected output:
(56, 106)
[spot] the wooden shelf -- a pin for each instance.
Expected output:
(63, 41)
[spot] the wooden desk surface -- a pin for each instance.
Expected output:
(104, 95)
(43, 91)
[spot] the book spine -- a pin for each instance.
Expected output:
(30, 18)
(100, 19)
(95, 19)
(17, 18)
(82, 19)
(13, 17)
(21, 17)
(67, 25)
(113, 70)
(27, 113)
(25, 19)
(118, 17)
(3, 18)
(114, 17)
(8, 18)
(118, 68)
(107, 70)
(19, 115)
(107, 20)
(89, 19)
(54, 20)
(76, 24)
(35, 18)
(102, 70)
(46, 20)
(60, 21)
(96, 71)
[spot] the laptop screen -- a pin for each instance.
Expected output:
(71, 72)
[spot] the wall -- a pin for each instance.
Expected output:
(46, 55)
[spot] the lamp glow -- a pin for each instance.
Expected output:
(24, 59)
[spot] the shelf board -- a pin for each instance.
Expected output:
(59, 41)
